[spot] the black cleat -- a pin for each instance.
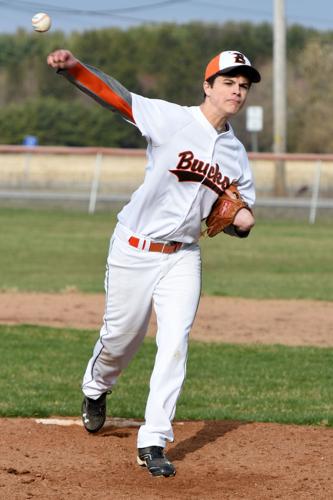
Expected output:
(94, 413)
(156, 462)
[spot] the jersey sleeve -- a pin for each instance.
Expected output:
(158, 120)
(106, 90)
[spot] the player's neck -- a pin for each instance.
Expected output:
(217, 121)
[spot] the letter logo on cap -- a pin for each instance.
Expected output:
(239, 58)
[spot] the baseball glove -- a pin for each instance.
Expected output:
(224, 211)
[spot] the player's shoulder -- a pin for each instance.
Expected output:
(159, 105)
(159, 119)
(237, 142)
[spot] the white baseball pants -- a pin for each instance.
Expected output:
(135, 280)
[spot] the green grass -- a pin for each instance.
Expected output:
(53, 251)
(280, 259)
(42, 368)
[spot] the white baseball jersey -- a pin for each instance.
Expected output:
(189, 166)
(189, 163)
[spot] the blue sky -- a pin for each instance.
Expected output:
(80, 15)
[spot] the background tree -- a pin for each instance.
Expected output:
(311, 95)
(164, 61)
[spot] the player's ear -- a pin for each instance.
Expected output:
(206, 86)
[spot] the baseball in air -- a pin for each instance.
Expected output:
(41, 22)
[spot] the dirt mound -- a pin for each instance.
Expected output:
(214, 460)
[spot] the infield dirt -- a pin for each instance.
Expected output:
(214, 460)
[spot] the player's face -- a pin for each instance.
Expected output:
(228, 94)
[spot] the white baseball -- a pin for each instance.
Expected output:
(41, 22)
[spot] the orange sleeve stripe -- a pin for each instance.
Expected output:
(100, 89)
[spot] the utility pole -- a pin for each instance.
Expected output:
(279, 95)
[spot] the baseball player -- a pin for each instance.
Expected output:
(154, 259)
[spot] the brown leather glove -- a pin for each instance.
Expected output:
(224, 210)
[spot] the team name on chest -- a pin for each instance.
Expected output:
(191, 169)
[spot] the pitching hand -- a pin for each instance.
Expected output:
(61, 59)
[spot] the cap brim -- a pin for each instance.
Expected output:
(248, 71)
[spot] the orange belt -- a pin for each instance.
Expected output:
(170, 247)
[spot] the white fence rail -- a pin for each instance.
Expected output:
(91, 175)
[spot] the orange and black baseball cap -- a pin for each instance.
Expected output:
(229, 61)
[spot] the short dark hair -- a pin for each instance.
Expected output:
(211, 81)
